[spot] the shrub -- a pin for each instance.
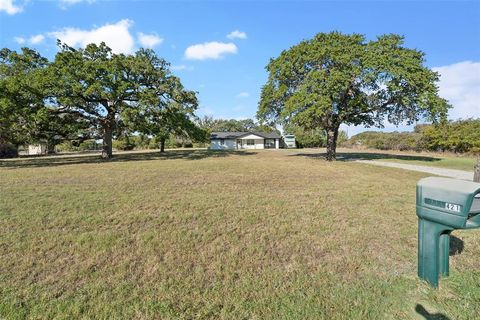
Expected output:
(460, 136)
(8, 150)
(66, 146)
(123, 144)
(88, 145)
(404, 141)
(180, 143)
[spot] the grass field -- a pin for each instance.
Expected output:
(198, 234)
(418, 158)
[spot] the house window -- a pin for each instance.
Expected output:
(250, 142)
(269, 143)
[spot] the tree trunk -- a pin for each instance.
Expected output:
(476, 170)
(50, 147)
(107, 142)
(162, 144)
(332, 134)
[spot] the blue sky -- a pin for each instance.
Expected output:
(220, 48)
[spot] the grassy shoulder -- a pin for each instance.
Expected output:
(458, 163)
(201, 234)
(417, 158)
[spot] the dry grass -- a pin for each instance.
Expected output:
(197, 234)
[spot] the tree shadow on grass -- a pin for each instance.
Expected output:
(430, 316)
(456, 246)
(352, 156)
(122, 157)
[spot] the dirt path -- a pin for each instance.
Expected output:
(452, 173)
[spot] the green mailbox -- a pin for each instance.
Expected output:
(443, 205)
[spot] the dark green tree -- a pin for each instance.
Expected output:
(52, 129)
(22, 95)
(336, 78)
(176, 118)
(105, 88)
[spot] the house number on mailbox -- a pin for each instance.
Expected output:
(452, 207)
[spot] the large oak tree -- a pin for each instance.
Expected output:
(103, 88)
(336, 79)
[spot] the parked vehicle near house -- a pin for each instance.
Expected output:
(289, 140)
(37, 149)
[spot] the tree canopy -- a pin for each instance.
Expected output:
(233, 125)
(336, 78)
(21, 95)
(175, 118)
(91, 93)
(114, 91)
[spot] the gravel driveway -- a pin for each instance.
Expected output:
(451, 173)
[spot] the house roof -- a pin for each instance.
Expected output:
(237, 135)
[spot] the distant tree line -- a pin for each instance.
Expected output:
(233, 125)
(461, 136)
(91, 94)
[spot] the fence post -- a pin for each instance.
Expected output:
(476, 170)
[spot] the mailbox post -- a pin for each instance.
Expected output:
(443, 205)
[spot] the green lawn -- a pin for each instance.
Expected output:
(458, 163)
(198, 234)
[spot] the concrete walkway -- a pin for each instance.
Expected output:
(451, 173)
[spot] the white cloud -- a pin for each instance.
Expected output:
(65, 3)
(149, 40)
(460, 85)
(70, 1)
(181, 67)
(210, 50)
(36, 39)
(243, 95)
(20, 40)
(9, 7)
(237, 35)
(117, 36)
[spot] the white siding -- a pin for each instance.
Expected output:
(228, 144)
(258, 144)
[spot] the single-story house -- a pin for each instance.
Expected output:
(244, 140)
